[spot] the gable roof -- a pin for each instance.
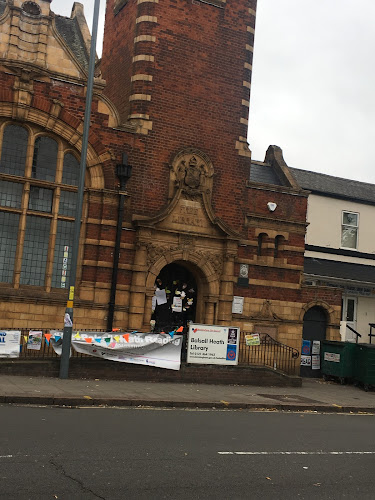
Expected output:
(264, 173)
(336, 187)
(69, 30)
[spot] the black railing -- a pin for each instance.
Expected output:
(269, 353)
(356, 333)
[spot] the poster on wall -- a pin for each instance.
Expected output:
(315, 362)
(213, 345)
(306, 347)
(157, 350)
(237, 305)
(315, 347)
(10, 343)
(305, 360)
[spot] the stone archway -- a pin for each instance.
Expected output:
(205, 268)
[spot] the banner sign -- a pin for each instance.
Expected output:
(159, 350)
(213, 345)
(252, 339)
(10, 343)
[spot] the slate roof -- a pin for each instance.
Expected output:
(334, 186)
(343, 270)
(264, 173)
(2, 7)
(70, 32)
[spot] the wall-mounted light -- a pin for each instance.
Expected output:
(271, 206)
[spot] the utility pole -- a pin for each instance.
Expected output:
(68, 320)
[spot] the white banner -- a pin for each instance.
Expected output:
(158, 350)
(10, 343)
(213, 345)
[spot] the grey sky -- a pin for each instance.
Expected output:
(312, 84)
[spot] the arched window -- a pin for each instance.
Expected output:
(261, 238)
(278, 243)
(14, 150)
(36, 243)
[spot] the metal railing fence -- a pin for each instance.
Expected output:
(270, 353)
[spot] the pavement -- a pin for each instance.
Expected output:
(314, 395)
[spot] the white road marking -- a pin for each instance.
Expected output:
(6, 456)
(296, 452)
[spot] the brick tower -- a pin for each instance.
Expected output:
(179, 72)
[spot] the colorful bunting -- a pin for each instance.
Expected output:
(108, 340)
(180, 330)
(47, 337)
(25, 337)
(98, 340)
(77, 336)
(171, 334)
(126, 336)
(57, 338)
(112, 344)
(117, 338)
(88, 340)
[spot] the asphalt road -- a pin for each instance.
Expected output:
(90, 453)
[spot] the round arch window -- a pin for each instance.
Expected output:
(31, 8)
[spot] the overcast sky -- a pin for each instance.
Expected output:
(312, 85)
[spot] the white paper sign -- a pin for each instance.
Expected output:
(315, 347)
(161, 297)
(237, 305)
(177, 305)
(305, 360)
(315, 362)
(332, 356)
(10, 344)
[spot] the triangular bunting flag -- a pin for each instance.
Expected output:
(88, 340)
(117, 338)
(126, 336)
(180, 330)
(171, 334)
(57, 338)
(112, 344)
(77, 336)
(98, 340)
(25, 337)
(47, 337)
(108, 340)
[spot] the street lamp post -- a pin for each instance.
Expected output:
(68, 320)
(123, 171)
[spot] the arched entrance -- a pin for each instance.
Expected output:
(180, 285)
(314, 331)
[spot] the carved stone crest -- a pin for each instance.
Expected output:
(191, 173)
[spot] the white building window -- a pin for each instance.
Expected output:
(349, 230)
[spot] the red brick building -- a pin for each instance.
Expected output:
(172, 92)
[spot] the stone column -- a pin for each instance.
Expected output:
(138, 288)
(226, 289)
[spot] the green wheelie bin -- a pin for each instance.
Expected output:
(338, 360)
(364, 370)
